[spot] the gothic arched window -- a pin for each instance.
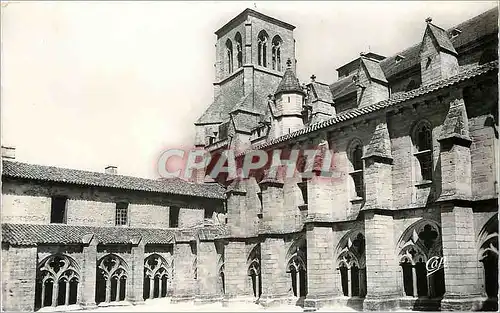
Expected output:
(422, 137)
(157, 273)
(351, 262)
(356, 173)
(262, 48)
(111, 281)
(276, 53)
(239, 49)
(417, 245)
(254, 271)
(229, 56)
(297, 267)
(57, 281)
(488, 255)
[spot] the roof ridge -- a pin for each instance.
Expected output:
(84, 171)
(174, 185)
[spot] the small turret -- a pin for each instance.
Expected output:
(289, 99)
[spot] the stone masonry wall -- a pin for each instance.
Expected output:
(320, 263)
(20, 293)
(30, 202)
(208, 274)
(381, 264)
(184, 267)
(235, 270)
(275, 281)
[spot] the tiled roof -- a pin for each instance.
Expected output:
(28, 234)
(343, 87)
(374, 70)
(411, 58)
(467, 74)
(471, 30)
(289, 83)
(442, 38)
(218, 111)
(86, 178)
(323, 92)
(31, 234)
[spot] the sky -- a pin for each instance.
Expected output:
(90, 84)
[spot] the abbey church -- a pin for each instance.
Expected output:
(410, 222)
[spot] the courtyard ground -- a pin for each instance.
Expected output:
(164, 305)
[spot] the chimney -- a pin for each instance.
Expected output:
(111, 169)
(8, 153)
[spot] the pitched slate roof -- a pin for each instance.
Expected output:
(343, 87)
(218, 111)
(289, 83)
(374, 70)
(28, 234)
(442, 38)
(85, 178)
(471, 30)
(322, 92)
(396, 99)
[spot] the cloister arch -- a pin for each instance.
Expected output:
(58, 276)
(157, 276)
(419, 242)
(488, 255)
(253, 270)
(111, 282)
(351, 263)
(296, 266)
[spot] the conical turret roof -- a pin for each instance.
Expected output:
(289, 83)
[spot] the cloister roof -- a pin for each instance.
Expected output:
(33, 234)
(86, 178)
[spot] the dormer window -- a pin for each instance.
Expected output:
(455, 32)
(399, 58)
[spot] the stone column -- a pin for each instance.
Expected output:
(23, 263)
(88, 276)
(236, 273)
(66, 296)
(349, 281)
(185, 254)
(135, 281)
(275, 280)
(463, 288)
(414, 280)
(321, 280)
(207, 273)
(108, 290)
(381, 263)
(151, 287)
(55, 293)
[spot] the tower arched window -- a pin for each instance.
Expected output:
(422, 138)
(356, 173)
(262, 48)
(229, 56)
(276, 53)
(239, 49)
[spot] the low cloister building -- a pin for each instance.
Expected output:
(406, 217)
